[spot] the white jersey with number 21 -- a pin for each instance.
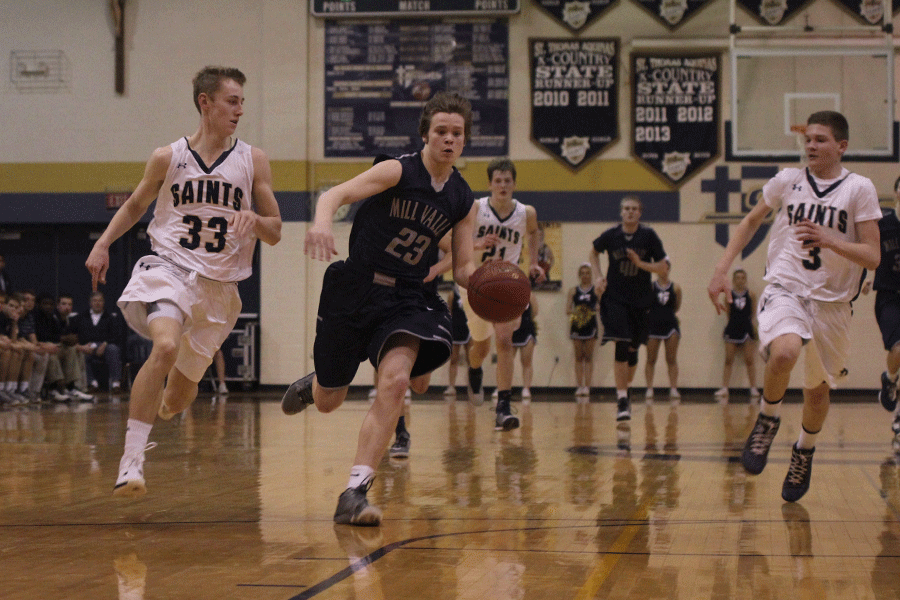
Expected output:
(510, 231)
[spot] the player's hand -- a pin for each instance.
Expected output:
(432, 273)
(490, 240)
(97, 263)
(600, 286)
(319, 243)
(812, 235)
(718, 285)
(632, 255)
(537, 274)
(243, 223)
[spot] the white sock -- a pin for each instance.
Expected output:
(768, 408)
(10, 386)
(621, 393)
(23, 386)
(359, 475)
(136, 435)
(807, 440)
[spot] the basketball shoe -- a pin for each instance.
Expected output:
(623, 409)
(797, 481)
(354, 509)
(400, 447)
(130, 483)
(888, 394)
(505, 421)
(756, 450)
(298, 396)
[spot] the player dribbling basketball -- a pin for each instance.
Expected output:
(501, 225)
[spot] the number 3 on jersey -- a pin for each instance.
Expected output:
(814, 261)
(195, 225)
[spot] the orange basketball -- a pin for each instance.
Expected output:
(499, 291)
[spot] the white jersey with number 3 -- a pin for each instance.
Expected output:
(196, 202)
(838, 205)
(511, 232)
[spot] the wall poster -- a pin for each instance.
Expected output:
(574, 96)
(672, 13)
(575, 14)
(869, 12)
(675, 118)
(772, 12)
(379, 74)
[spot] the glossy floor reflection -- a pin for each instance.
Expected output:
(240, 500)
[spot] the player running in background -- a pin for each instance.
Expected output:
(824, 235)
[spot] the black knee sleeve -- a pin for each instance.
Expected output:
(621, 352)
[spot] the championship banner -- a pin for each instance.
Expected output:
(672, 13)
(575, 14)
(574, 96)
(772, 12)
(676, 113)
(870, 12)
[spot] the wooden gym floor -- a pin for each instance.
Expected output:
(240, 502)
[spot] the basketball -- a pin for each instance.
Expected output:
(499, 291)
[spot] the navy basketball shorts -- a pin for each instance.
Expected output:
(623, 322)
(357, 317)
(887, 313)
(461, 335)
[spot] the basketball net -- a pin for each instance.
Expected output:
(799, 132)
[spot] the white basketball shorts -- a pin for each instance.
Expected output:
(210, 308)
(824, 327)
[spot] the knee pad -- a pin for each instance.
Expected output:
(622, 349)
(164, 308)
(632, 356)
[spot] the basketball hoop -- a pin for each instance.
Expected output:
(799, 132)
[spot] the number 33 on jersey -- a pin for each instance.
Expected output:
(194, 207)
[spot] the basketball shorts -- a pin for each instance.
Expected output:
(461, 335)
(211, 309)
(887, 313)
(623, 322)
(479, 328)
(358, 316)
(823, 326)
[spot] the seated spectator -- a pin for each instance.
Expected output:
(13, 352)
(48, 330)
(100, 334)
(71, 356)
(5, 285)
(41, 351)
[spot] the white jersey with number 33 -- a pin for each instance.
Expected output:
(191, 221)
(838, 205)
(511, 232)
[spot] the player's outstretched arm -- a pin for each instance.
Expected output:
(462, 252)
(319, 242)
(741, 235)
(129, 214)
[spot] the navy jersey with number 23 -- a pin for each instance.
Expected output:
(397, 231)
